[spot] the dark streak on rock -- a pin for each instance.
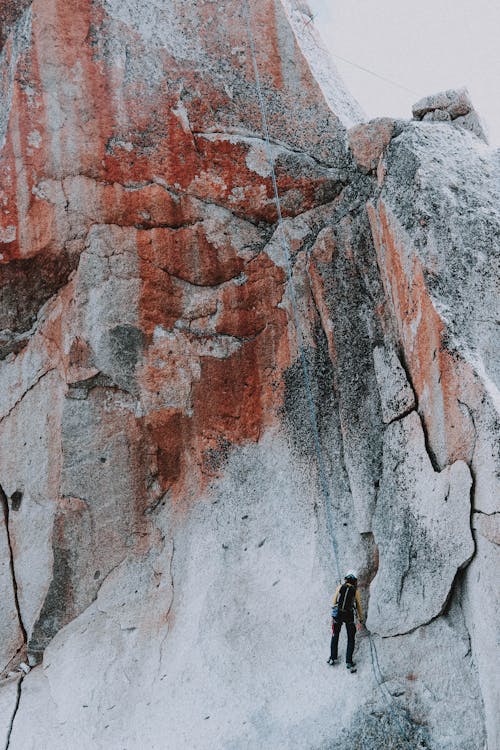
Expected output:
(80, 390)
(10, 13)
(5, 506)
(295, 401)
(53, 615)
(26, 284)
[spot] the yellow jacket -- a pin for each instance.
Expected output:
(356, 598)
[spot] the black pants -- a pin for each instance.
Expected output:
(351, 633)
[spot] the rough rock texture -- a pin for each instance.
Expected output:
(368, 141)
(422, 530)
(10, 11)
(452, 105)
(396, 395)
(8, 704)
(167, 525)
(437, 236)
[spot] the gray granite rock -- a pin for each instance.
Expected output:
(455, 102)
(422, 530)
(472, 122)
(453, 105)
(437, 115)
(8, 702)
(175, 515)
(396, 394)
(11, 637)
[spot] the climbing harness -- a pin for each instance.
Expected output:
(377, 673)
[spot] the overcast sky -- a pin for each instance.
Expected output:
(423, 45)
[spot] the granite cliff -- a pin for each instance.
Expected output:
(169, 510)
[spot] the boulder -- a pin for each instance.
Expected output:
(368, 141)
(453, 105)
(455, 102)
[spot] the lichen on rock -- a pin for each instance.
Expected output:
(206, 394)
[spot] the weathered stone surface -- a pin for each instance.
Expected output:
(455, 105)
(472, 122)
(421, 527)
(343, 298)
(488, 526)
(479, 597)
(433, 226)
(321, 64)
(8, 701)
(11, 636)
(238, 580)
(9, 14)
(410, 660)
(174, 513)
(437, 115)
(447, 329)
(367, 142)
(396, 395)
(33, 470)
(185, 650)
(455, 102)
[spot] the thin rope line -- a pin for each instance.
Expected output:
(310, 22)
(305, 368)
(286, 252)
(372, 72)
(379, 678)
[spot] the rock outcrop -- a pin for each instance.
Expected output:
(169, 510)
(450, 106)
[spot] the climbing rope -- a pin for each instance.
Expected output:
(379, 679)
(305, 368)
(308, 24)
(289, 271)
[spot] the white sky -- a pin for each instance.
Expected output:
(423, 45)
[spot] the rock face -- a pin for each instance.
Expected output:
(452, 105)
(422, 529)
(202, 406)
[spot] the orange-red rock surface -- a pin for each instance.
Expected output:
(164, 512)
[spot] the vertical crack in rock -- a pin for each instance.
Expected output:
(314, 300)
(5, 507)
(162, 303)
(428, 449)
(171, 572)
(430, 453)
(16, 708)
(468, 654)
(470, 414)
(170, 605)
(422, 525)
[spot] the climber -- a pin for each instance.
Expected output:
(345, 601)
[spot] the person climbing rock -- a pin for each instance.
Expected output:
(346, 602)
